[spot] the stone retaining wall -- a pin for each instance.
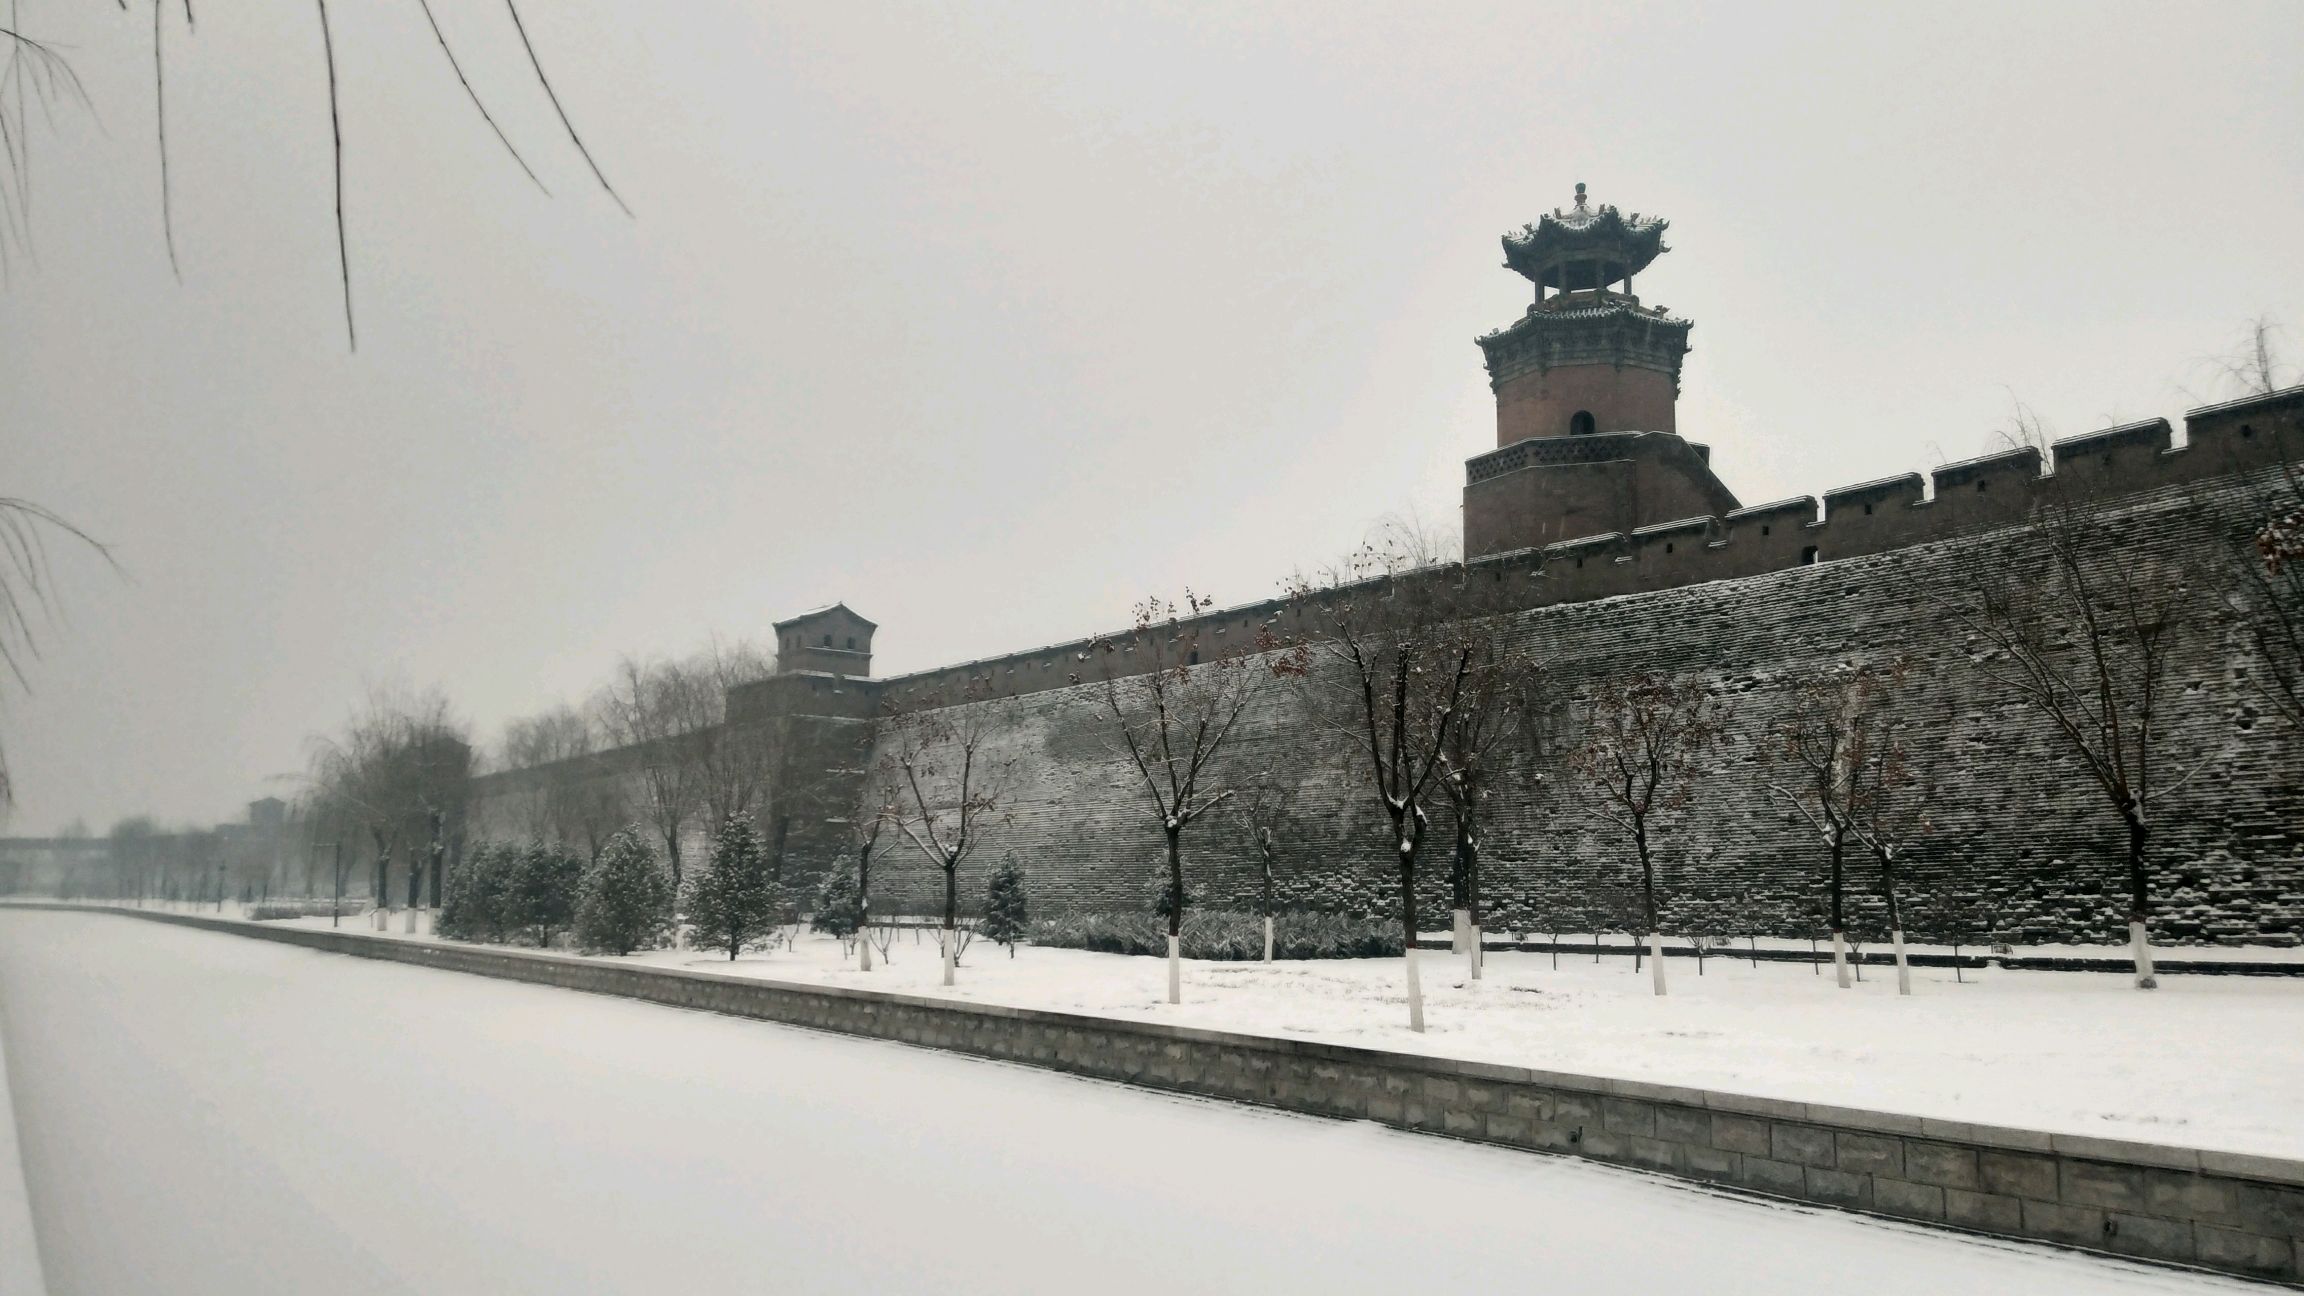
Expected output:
(2230, 1212)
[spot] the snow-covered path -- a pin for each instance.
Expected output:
(205, 1114)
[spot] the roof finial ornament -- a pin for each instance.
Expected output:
(1579, 195)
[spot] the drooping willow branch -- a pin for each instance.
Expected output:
(27, 587)
(336, 134)
(39, 70)
(554, 96)
(474, 95)
(160, 125)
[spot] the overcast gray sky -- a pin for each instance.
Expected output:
(991, 319)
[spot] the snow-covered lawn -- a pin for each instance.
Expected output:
(207, 1115)
(2212, 1062)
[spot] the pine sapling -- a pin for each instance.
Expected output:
(732, 902)
(1005, 906)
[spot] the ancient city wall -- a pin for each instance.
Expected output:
(2022, 844)
(1870, 518)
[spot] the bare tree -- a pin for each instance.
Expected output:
(1496, 689)
(551, 749)
(353, 771)
(1267, 808)
(1390, 655)
(136, 858)
(2263, 582)
(2256, 367)
(1644, 739)
(400, 769)
(2087, 642)
(2260, 575)
(734, 763)
(875, 810)
(1171, 714)
(952, 786)
(650, 711)
(594, 789)
(28, 592)
(1892, 811)
(1850, 778)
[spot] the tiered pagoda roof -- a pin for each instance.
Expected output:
(1624, 244)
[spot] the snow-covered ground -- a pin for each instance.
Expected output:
(2205, 1061)
(2176, 954)
(19, 1256)
(202, 1114)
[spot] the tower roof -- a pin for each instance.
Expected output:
(1586, 233)
(821, 613)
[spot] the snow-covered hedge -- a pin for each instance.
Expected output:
(276, 910)
(1219, 934)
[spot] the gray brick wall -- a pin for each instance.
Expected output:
(2015, 820)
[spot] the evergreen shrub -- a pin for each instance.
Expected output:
(544, 888)
(1007, 919)
(627, 899)
(839, 909)
(731, 901)
(476, 897)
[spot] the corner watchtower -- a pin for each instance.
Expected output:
(1587, 357)
(1586, 383)
(827, 640)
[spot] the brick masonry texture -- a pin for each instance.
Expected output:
(2017, 826)
(2236, 1214)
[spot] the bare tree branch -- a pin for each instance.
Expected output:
(336, 135)
(554, 96)
(471, 94)
(160, 125)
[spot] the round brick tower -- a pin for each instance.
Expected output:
(1587, 357)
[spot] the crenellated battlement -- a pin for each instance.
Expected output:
(1970, 497)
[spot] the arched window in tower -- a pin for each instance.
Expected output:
(1581, 424)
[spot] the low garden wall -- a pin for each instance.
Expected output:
(2229, 1212)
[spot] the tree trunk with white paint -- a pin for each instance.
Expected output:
(951, 918)
(1459, 921)
(1473, 950)
(1175, 969)
(2139, 899)
(1656, 958)
(1407, 832)
(1415, 994)
(1903, 969)
(1267, 938)
(1840, 957)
